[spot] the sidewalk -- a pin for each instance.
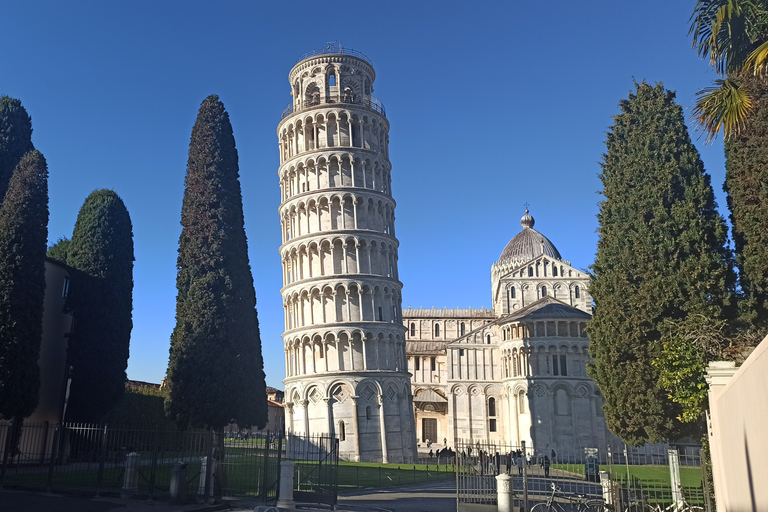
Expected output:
(429, 497)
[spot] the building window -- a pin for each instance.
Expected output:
(432, 363)
(576, 292)
(332, 79)
(512, 293)
(437, 330)
(543, 291)
(413, 329)
(461, 352)
(417, 363)
(530, 271)
(563, 366)
(368, 415)
(554, 271)
(463, 329)
(554, 365)
(488, 339)
(492, 425)
(342, 431)
(491, 406)
(381, 316)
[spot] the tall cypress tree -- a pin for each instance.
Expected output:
(23, 235)
(15, 138)
(101, 301)
(746, 183)
(661, 256)
(215, 369)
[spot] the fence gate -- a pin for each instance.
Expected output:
(316, 478)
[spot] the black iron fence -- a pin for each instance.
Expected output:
(607, 479)
(146, 462)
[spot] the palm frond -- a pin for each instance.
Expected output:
(720, 32)
(724, 106)
(757, 62)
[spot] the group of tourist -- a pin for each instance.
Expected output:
(491, 463)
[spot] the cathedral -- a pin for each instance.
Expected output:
(516, 372)
(381, 378)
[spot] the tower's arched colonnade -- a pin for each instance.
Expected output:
(344, 339)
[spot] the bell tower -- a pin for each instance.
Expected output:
(344, 339)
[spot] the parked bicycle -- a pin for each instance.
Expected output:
(572, 503)
(683, 506)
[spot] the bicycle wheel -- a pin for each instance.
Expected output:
(691, 508)
(596, 506)
(543, 507)
(639, 507)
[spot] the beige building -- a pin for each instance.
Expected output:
(516, 372)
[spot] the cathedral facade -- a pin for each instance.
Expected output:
(516, 372)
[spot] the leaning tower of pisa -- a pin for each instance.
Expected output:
(344, 339)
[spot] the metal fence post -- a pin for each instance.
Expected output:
(54, 451)
(525, 478)
(208, 466)
(154, 463)
(102, 455)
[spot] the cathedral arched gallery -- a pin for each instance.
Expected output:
(516, 372)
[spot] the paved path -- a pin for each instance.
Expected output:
(428, 497)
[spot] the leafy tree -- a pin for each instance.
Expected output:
(15, 138)
(58, 251)
(215, 369)
(101, 252)
(23, 235)
(661, 256)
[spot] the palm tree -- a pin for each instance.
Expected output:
(733, 34)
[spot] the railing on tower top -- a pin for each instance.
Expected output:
(373, 103)
(334, 48)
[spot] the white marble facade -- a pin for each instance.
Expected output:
(344, 339)
(516, 372)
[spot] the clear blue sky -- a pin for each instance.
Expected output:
(491, 104)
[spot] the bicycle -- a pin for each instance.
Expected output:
(642, 506)
(581, 502)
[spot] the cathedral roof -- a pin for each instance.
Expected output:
(527, 245)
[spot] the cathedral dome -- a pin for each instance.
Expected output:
(527, 245)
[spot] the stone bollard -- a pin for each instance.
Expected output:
(285, 496)
(179, 482)
(203, 468)
(607, 485)
(131, 479)
(504, 492)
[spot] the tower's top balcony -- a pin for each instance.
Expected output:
(334, 48)
(333, 75)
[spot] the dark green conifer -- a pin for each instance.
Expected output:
(15, 138)
(101, 300)
(58, 251)
(215, 369)
(661, 256)
(746, 183)
(23, 237)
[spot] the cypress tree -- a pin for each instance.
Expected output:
(101, 300)
(23, 235)
(661, 256)
(15, 138)
(215, 369)
(746, 183)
